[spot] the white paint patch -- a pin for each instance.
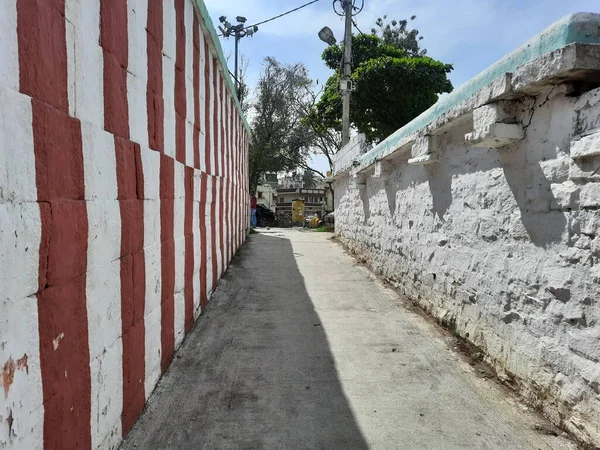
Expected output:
(137, 71)
(152, 317)
(17, 160)
(9, 45)
(212, 118)
(152, 257)
(209, 232)
(85, 61)
(179, 234)
(21, 396)
(189, 143)
(169, 104)
(22, 401)
(99, 163)
(107, 395)
(169, 30)
(103, 283)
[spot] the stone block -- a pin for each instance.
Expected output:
(103, 300)
(86, 80)
(179, 264)
(137, 18)
(586, 146)
(20, 236)
(585, 169)
(152, 322)
(495, 135)
(138, 117)
(100, 166)
(107, 396)
(498, 112)
(590, 195)
(383, 170)
(424, 160)
(179, 300)
(9, 49)
(19, 354)
(17, 159)
(151, 169)
(168, 69)
(566, 195)
(585, 343)
(424, 145)
(104, 233)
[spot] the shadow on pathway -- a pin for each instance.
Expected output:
(256, 372)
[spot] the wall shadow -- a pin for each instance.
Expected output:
(256, 372)
(531, 190)
(440, 185)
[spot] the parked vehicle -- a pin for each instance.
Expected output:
(265, 217)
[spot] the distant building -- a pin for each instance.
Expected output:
(271, 179)
(266, 195)
(315, 200)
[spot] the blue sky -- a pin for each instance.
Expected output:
(470, 34)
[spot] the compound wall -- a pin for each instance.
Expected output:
(123, 196)
(486, 212)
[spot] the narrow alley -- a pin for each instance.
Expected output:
(303, 348)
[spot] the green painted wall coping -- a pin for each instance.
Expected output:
(583, 28)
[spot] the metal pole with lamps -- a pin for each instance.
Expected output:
(239, 31)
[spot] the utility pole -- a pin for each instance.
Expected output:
(239, 31)
(346, 84)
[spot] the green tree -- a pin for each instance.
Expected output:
(396, 33)
(281, 141)
(394, 82)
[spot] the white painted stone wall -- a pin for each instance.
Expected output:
(500, 243)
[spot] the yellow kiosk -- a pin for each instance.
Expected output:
(298, 210)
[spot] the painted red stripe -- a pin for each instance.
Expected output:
(213, 234)
(203, 240)
(180, 91)
(130, 185)
(196, 68)
(113, 40)
(62, 309)
(215, 136)
(189, 248)
(154, 92)
(207, 130)
(167, 217)
(43, 51)
(130, 182)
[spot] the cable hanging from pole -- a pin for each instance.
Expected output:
(355, 10)
(251, 27)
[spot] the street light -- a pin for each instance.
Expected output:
(326, 35)
(239, 31)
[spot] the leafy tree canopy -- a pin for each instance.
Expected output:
(393, 80)
(281, 141)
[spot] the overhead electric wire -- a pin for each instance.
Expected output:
(281, 15)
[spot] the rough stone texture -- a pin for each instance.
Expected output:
(501, 246)
(586, 147)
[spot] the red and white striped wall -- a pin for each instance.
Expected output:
(123, 197)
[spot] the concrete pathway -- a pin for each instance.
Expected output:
(301, 348)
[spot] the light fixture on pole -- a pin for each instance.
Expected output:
(326, 35)
(238, 31)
